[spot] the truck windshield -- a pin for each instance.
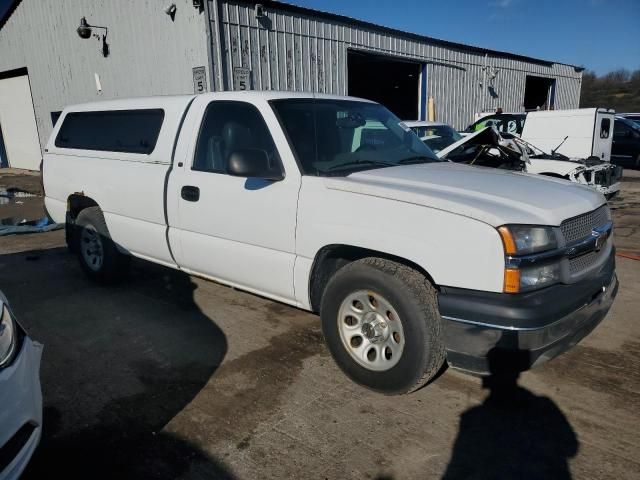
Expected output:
(337, 137)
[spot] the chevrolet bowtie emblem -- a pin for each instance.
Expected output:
(601, 238)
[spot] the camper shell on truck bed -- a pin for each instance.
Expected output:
(333, 205)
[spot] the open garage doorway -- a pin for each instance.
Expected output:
(539, 93)
(391, 82)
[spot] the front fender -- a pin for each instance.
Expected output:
(453, 249)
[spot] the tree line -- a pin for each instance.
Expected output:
(619, 90)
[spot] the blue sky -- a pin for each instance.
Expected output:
(602, 35)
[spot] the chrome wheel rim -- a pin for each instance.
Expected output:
(91, 248)
(371, 330)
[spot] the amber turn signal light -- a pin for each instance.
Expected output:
(508, 241)
(511, 280)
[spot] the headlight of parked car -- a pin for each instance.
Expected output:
(521, 240)
(8, 337)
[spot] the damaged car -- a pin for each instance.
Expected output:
(435, 135)
(488, 148)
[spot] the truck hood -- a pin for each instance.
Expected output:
(496, 197)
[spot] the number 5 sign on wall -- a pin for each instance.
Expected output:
(199, 80)
(241, 79)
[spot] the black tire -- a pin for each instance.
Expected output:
(70, 233)
(415, 300)
(114, 265)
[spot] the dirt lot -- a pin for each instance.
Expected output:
(169, 376)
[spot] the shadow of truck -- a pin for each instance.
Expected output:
(119, 364)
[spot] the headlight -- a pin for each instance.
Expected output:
(8, 336)
(540, 276)
(522, 240)
(518, 280)
(526, 239)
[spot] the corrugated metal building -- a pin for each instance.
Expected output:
(236, 44)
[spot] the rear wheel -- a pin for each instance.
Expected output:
(381, 323)
(98, 254)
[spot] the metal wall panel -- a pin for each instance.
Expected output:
(150, 53)
(299, 51)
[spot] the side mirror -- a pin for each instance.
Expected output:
(251, 163)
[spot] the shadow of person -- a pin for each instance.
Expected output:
(513, 434)
(119, 366)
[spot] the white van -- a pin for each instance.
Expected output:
(579, 133)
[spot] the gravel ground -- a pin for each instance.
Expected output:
(170, 376)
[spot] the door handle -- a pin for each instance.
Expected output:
(190, 193)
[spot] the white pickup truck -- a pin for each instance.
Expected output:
(410, 261)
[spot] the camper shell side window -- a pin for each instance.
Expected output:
(129, 131)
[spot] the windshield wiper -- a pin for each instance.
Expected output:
(363, 163)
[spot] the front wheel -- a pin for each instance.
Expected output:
(381, 323)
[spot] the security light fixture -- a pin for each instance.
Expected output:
(260, 11)
(85, 31)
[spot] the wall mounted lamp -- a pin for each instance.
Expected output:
(85, 31)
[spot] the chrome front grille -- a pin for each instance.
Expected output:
(580, 227)
(581, 263)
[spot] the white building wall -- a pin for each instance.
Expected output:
(152, 55)
(149, 53)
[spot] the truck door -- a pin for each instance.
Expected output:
(602, 136)
(240, 231)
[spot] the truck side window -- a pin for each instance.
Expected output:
(229, 126)
(605, 126)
